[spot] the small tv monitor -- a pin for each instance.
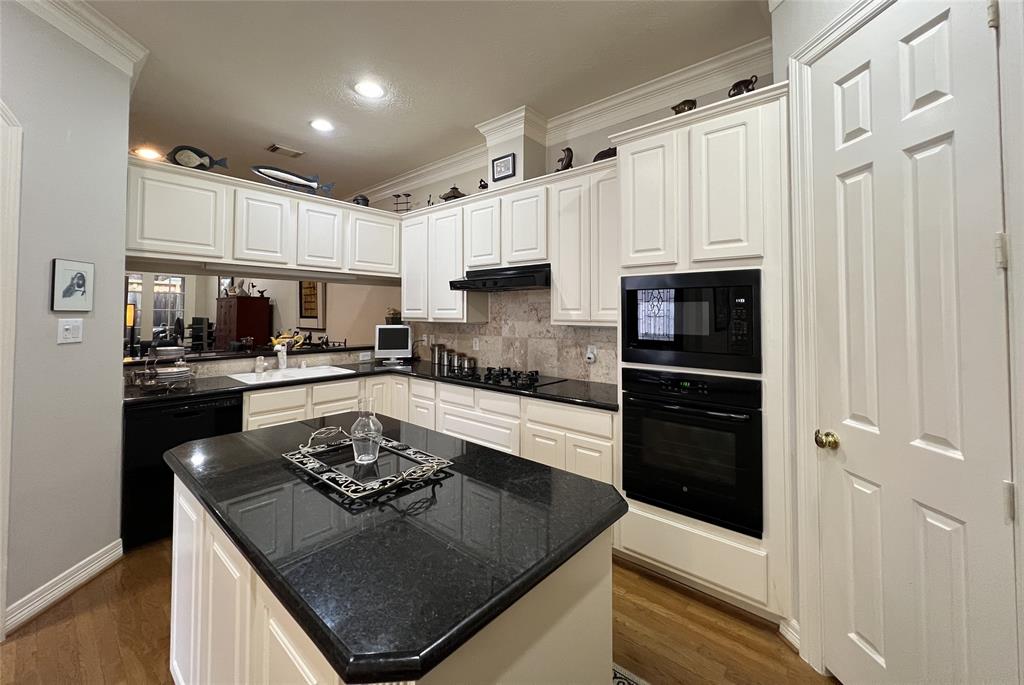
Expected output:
(392, 343)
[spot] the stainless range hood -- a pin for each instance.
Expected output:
(531, 277)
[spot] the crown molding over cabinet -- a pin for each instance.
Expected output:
(83, 24)
(716, 73)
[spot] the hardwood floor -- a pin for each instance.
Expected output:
(115, 629)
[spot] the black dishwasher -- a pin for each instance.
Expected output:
(147, 483)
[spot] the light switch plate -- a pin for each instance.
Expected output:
(69, 331)
(364, 356)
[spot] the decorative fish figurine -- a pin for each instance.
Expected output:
(292, 180)
(194, 158)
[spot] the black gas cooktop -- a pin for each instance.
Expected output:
(505, 377)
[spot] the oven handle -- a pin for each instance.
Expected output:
(729, 416)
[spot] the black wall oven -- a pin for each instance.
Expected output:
(706, 320)
(692, 444)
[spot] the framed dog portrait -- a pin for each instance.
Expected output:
(72, 287)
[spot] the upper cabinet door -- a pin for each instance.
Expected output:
(445, 234)
(524, 226)
(726, 180)
(373, 243)
(604, 246)
(569, 222)
(321, 240)
(482, 225)
(264, 227)
(649, 193)
(176, 214)
(415, 263)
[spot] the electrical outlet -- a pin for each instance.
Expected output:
(591, 354)
(476, 344)
(365, 356)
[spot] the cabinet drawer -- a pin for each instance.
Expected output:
(456, 395)
(338, 407)
(575, 419)
(277, 400)
(422, 412)
(277, 418)
(490, 431)
(423, 390)
(333, 392)
(497, 403)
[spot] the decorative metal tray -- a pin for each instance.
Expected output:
(400, 464)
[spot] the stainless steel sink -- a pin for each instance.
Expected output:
(298, 373)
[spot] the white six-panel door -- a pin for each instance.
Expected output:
(917, 548)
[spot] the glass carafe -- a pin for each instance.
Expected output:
(366, 433)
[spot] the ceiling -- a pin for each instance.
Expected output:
(233, 77)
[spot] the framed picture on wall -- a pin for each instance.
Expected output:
(503, 167)
(312, 305)
(72, 286)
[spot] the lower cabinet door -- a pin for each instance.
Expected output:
(544, 446)
(400, 398)
(186, 595)
(339, 407)
(588, 457)
(275, 419)
(281, 651)
(379, 389)
(422, 412)
(227, 597)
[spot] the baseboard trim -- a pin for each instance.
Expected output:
(45, 596)
(789, 629)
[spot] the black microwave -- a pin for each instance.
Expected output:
(705, 320)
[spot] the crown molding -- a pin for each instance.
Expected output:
(522, 121)
(775, 91)
(717, 73)
(83, 24)
(447, 167)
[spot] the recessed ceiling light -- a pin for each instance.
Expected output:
(322, 125)
(147, 153)
(369, 89)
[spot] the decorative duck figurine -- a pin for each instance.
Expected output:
(565, 161)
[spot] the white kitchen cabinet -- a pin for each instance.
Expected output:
(224, 630)
(176, 214)
(604, 246)
(379, 389)
(650, 191)
(482, 226)
(335, 398)
(321, 236)
(186, 594)
(569, 224)
(265, 227)
(481, 416)
(726, 167)
(544, 445)
(589, 457)
(524, 229)
(276, 418)
(282, 652)
(399, 399)
(422, 408)
(577, 439)
(415, 269)
(373, 243)
(445, 254)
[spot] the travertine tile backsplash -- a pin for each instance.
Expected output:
(519, 334)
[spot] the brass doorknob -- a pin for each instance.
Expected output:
(826, 440)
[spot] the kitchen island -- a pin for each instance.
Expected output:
(496, 569)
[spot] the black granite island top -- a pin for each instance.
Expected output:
(397, 585)
(581, 393)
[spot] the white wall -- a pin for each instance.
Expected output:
(466, 181)
(794, 22)
(66, 451)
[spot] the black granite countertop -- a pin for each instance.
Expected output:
(581, 393)
(389, 591)
(266, 351)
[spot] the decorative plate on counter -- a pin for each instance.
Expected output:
(334, 464)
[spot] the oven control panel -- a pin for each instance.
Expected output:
(741, 320)
(669, 385)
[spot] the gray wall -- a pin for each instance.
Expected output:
(66, 453)
(794, 22)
